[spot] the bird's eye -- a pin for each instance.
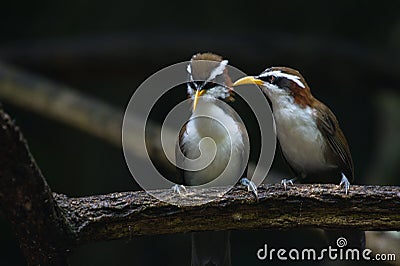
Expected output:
(271, 79)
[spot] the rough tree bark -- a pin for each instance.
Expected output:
(26, 200)
(47, 224)
(75, 109)
(128, 214)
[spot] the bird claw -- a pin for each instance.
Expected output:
(179, 189)
(345, 183)
(250, 186)
(285, 182)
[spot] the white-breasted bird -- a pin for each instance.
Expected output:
(208, 83)
(312, 143)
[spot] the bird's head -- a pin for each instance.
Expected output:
(208, 78)
(281, 82)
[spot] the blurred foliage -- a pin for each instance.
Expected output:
(387, 152)
(359, 21)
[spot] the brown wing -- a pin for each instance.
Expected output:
(179, 145)
(243, 129)
(328, 125)
(293, 171)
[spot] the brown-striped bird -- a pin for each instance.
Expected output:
(312, 143)
(208, 83)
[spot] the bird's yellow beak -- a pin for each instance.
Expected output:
(248, 80)
(196, 98)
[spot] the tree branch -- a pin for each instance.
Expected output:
(129, 214)
(48, 224)
(26, 200)
(139, 46)
(75, 109)
(78, 110)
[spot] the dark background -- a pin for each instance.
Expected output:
(348, 52)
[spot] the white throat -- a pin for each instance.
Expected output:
(210, 120)
(301, 141)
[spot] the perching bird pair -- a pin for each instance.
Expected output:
(310, 138)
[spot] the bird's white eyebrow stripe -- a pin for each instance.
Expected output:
(278, 73)
(218, 70)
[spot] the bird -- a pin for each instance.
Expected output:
(209, 84)
(312, 143)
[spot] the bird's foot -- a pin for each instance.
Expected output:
(285, 182)
(179, 189)
(250, 186)
(345, 183)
